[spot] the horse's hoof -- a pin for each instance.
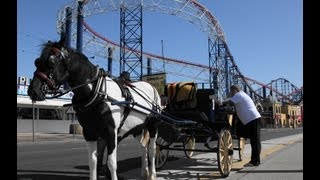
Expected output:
(152, 178)
(121, 178)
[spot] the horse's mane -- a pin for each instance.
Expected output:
(75, 58)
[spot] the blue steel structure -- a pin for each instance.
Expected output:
(222, 69)
(131, 40)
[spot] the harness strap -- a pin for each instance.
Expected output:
(134, 131)
(76, 87)
(96, 91)
(99, 91)
(128, 97)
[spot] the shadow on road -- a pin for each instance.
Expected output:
(133, 164)
(123, 166)
(50, 175)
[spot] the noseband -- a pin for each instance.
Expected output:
(43, 77)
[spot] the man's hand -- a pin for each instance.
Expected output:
(219, 103)
(228, 102)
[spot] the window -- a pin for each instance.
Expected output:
(55, 114)
(24, 113)
(44, 114)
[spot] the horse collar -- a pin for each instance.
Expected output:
(98, 95)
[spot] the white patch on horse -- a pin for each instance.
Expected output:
(144, 140)
(112, 161)
(152, 155)
(92, 153)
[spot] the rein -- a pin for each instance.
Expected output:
(75, 87)
(71, 89)
(153, 103)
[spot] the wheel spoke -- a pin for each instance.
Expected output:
(161, 153)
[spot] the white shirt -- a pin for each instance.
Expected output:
(245, 107)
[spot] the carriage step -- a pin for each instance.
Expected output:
(177, 146)
(230, 152)
(214, 149)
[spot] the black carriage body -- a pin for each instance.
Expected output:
(209, 120)
(216, 123)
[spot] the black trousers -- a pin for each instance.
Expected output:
(251, 131)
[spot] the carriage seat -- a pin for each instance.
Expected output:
(181, 96)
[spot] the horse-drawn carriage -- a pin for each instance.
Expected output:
(104, 109)
(197, 119)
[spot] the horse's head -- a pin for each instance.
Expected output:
(51, 70)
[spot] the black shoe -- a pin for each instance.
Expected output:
(251, 164)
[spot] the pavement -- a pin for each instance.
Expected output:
(42, 137)
(281, 158)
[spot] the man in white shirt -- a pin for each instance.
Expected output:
(250, 118)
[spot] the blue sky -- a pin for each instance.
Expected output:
(265, 37)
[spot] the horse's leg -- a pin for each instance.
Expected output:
(112, 154)
(144, 159)
(92, 150)
(101, 145)
(152, 154)
(151, 125)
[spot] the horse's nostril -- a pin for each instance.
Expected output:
(30, 92)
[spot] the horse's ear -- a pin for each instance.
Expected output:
(62, 41)
(36, 62)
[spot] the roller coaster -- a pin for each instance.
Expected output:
(219, 74)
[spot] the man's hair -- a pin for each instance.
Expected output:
(235, 87)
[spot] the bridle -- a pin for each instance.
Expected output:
(48, 79)
(49, 82)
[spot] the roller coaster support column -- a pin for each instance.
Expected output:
(79, 25)
(226, 72)
(264, 92)
(66, 31)
(131, 40)
(149, 66)
(213, 72)
(218, 62)
(110, 57)
(68, 26)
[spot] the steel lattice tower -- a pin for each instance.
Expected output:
(131, 41)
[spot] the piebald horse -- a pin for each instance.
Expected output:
(97, 101)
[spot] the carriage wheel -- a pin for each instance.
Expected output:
(225, 152)
(241, 143)
(189, 144)
(161, 153)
